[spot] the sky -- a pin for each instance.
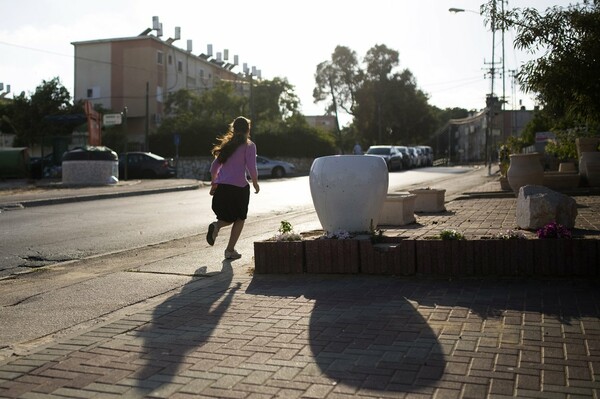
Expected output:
(449, 54)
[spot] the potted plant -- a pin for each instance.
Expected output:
(504, 162)
(564, 149)
(512, 145)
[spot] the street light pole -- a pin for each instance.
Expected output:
(490, 101)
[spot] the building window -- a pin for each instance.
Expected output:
(159, 57)
(179, 66)
(170, 59)
(93, 92)
(159, 94)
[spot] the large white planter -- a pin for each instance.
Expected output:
(586, 164)
(348, 191)
(90, 172)
(524, 170)
(586, 144)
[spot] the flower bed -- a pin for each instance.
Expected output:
(465, 258)
(449, 254)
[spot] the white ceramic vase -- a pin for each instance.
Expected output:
(348, 191)
(525, 169)
(586, 158)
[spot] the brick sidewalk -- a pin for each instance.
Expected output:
(333, 337)
(486, 217)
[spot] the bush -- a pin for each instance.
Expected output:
(297, 142)
(563, 147)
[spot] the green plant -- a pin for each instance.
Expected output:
(376, 235)
(563, 147)
(451, 235)
(514, 145)
(286, 232)
(503, 157)
(285, 227)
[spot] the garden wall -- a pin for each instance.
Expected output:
(444, 258)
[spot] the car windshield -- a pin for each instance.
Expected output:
(378, 151)
(157, 157)
(262, 160)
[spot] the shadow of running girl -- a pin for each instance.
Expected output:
(181, 325)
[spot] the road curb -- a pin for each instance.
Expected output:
(90, 197)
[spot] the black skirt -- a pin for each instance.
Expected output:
(230, 203)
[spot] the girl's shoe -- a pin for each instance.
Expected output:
(232, 254)
(211, 236)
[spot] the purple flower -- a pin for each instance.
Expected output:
(554, 230)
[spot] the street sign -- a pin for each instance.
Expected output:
(112, 119)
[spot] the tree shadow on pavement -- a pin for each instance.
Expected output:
(182, 324)
(363, 334)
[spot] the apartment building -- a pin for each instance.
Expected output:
(469, 140)
(134, 75)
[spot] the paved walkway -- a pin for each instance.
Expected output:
(235, 335)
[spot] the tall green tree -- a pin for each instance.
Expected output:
(385, 102)
(391, 108)
(565, 76)
(199, 119)
(30, 116)
(337, 82)
(221, 102)
(275, 105)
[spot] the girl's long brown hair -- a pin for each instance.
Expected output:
(230, 141)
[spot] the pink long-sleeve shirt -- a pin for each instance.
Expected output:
(233, 171)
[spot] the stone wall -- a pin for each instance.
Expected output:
(194, 168)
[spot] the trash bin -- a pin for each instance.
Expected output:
(14, 162)
(90, 165)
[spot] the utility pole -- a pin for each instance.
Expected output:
(490, 100)
(146, 127)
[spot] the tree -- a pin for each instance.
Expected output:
(566, 77)
(199, 119)
(31, 118)
(391, 108)
(386, 104)
(275, 105)
(338, 80)
(221, 102)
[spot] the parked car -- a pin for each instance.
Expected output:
(428, 152)
(390, 154)
(416, 155)
(145, 165)
(44, 167)
(407, 161)
(273, 168)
